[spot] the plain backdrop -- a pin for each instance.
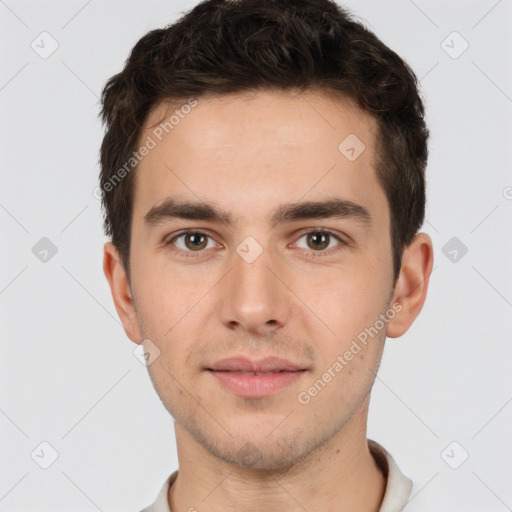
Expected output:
(68, 376)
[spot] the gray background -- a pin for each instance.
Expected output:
(68, 373)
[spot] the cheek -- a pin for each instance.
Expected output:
(342, 383)
(172, 388)
(347, 325)
(348, 300)
(165, 297)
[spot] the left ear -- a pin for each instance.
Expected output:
(411, 287)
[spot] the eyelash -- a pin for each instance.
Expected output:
(315, 254)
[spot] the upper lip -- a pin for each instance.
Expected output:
(245, 364)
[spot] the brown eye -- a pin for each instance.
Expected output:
(318, 240)
(191, 242)
(195, 241)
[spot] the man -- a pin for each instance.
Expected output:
(263, 185)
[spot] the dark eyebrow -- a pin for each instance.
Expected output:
(171, 208)
(330, 208)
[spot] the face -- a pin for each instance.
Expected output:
(256, 235)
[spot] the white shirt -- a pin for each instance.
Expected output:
(398, 486)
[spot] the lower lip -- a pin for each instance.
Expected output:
(256, 386)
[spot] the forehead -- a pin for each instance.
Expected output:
(268, 146)
(295, 118)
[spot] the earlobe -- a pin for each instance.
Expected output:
(412, 284)
(121, 294)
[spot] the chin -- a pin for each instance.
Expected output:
(264, 453)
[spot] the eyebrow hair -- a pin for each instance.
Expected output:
(329, 208)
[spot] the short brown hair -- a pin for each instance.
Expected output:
(229, 46)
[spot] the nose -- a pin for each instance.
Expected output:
(253, 297)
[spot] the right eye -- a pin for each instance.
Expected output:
(191, 241)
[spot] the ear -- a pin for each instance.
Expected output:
(411, 287)
(121, 292)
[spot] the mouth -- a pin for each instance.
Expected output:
(256, 379)
(254, 373)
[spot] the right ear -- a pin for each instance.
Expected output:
(121, 293)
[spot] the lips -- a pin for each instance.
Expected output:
(256, 379)
(252, 373)
(266, 365)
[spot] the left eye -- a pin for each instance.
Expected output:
(318, 240)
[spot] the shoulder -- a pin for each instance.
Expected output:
(398, 485)
(161, 504)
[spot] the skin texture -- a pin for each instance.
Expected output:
(248, 154)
